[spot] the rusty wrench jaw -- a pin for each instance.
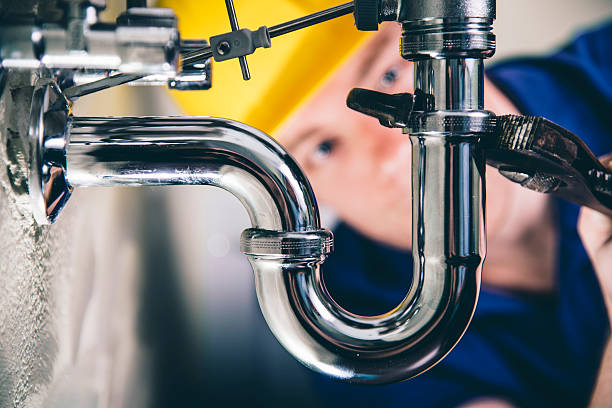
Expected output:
(529, 150)
(545, 157)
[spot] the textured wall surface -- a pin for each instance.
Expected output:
(28, 341)
(69, 292)
(93, 311)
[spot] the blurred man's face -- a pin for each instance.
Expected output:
(358, 167)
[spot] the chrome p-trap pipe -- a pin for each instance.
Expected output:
(286, 245)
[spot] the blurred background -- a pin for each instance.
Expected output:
(164, 312)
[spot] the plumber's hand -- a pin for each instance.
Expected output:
(596, 232)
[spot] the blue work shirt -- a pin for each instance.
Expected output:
(531, 350)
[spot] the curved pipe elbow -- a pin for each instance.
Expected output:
(448, 250)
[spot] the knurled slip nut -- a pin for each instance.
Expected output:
(454, 124)
(307, 244)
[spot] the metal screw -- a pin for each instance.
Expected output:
(224, 48)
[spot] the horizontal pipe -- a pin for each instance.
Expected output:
(141, 151)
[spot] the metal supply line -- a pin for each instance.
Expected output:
(281, 29)
(193, 58)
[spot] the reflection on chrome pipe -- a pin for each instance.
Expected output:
(143, 151)
(454, 82)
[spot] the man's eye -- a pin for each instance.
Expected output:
(390, 77)
(324, 150)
